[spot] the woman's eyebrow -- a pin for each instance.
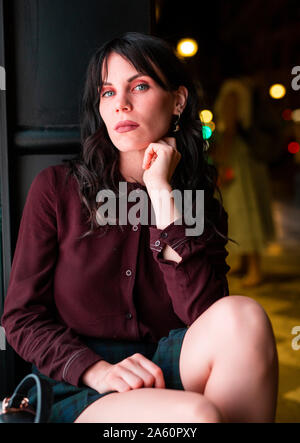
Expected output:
(129, 79)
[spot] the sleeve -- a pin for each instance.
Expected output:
(199, 279)
(29, 318)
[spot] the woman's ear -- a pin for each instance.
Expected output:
(181, 96)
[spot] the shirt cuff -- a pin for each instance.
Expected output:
(79, 361)
(173, 235)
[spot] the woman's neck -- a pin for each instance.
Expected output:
(131, 165)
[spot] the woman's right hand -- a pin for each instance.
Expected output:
(133, 372)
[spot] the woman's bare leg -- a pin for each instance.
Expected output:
(151, 405)
(229, 355)
(228, 366)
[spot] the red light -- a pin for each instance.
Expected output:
(293, 147)
(229, 174)
(287, 114)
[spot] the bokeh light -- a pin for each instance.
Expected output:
(277, 91)
(293, 147)
(211, 125)
(296, 115)
(187, 47)
(206, 116)
(206, 131)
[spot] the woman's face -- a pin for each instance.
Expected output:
(137, 103)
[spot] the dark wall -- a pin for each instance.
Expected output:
(53, 41)
(48, 45)
(45, 48)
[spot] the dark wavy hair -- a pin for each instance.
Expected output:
(97, 164)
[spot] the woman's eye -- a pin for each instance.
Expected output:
(142, 87)
(107, 94)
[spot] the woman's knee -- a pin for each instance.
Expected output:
(237, 321)
(208, 413)
(247, 324)
(199, 409)
(241, 314)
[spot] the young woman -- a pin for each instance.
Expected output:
(133, 322)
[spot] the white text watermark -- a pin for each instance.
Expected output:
(296, 80)
(106, 213)
(2, 339)
(296, 340)
(2, 79)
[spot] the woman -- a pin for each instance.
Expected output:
(246, 190)
(126, 321)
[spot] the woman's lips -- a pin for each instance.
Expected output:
(126, 125)
(127, 128)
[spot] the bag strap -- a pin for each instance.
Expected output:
(44, 396)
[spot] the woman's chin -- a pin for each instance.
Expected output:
(132, 141)
(129, 147)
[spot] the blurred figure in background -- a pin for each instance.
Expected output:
(243, 179)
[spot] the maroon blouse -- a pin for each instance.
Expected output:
(112, 286)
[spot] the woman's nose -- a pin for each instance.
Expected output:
(123, 105)
(125, 108)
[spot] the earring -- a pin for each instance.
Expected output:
(176, 125)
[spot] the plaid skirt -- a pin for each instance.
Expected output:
(70, 401)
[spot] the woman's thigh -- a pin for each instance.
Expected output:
(150, 405)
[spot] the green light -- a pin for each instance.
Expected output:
(206, 131)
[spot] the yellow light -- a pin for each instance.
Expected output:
(206, 116)
(187, 47)
(296, 115)
(277, 91)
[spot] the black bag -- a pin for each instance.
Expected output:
(16, 409)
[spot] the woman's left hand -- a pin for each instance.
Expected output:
(160, 161)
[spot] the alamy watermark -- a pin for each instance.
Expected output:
(2, 79)
(296, 80)
(106, 213)
(296, 340)
(2, 339)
